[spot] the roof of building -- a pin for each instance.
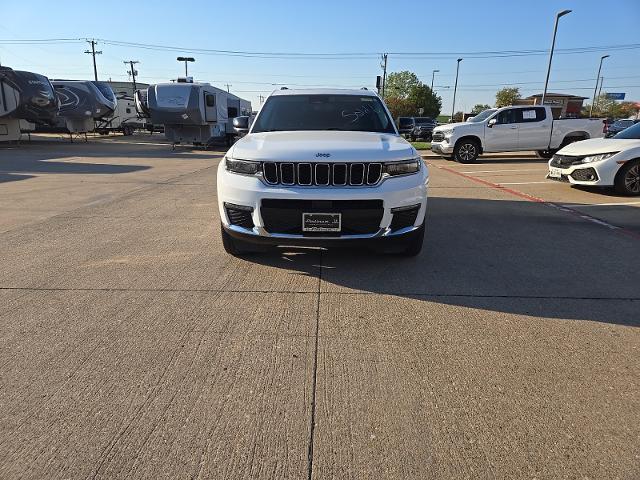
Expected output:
(325, 91)
(566, 95)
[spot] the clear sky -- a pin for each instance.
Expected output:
(328, 26)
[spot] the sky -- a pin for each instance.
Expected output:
(440, 32)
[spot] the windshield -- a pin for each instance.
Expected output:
(323, 112)
(630, 133)
(424, 120)
(623, 123)
(483, 115)
(105, 90)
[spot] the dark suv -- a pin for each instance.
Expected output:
(405, 125)
(423, 128)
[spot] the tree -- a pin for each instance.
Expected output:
(457, 117)
(479, 108)
(629, 109)
(399, 84)
(421, 96)
(507, 96)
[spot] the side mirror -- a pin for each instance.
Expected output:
(241, 125)
(492, 122)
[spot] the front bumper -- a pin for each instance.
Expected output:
(250, 191)
(442, 148)
(598, 174)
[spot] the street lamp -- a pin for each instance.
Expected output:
(597, 80)
(455, 89)
(186, 61)
(553, 45)
(433, 74)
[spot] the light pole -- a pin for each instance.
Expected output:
(553, 45)
(595, 90)
(433, 75)
(186, 61)
(455, 90)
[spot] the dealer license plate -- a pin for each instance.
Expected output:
(555, 172)
(321, 222)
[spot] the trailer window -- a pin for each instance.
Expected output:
(210, 100)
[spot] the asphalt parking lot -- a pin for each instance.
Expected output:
(132, 346)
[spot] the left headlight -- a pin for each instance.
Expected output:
(405, 167)
(597, 158)
(244, 167)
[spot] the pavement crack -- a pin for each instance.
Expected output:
(312, 426)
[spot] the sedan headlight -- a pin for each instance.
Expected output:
(597, 158)
(406, 167)
(243, 167)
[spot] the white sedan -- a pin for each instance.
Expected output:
(601, 162)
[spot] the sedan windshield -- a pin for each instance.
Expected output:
(323, 112)
(424, 121)
(482, 115)
(630, 133)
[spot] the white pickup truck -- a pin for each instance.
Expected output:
(514, 128)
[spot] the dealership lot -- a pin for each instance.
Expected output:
(132, 346)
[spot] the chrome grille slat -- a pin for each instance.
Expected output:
(323, 174)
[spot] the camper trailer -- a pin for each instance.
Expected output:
(81, 103)
(193, 113)
(26, 99)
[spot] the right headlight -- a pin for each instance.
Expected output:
(405, 167)
(597, 158)
(243, 167)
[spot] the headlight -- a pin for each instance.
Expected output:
(447, 133)
(597, 158)
(244, 167)
(405, 167)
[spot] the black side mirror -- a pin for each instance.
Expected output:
(241, 124)
(491, 122)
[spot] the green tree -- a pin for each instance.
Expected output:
(507, 96)
(399, 84)
(421, 96)
(479, 108)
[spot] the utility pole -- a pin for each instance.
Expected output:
(455, 90)
(133, 72)
(384, 73)
(597, 80)
(553, 46)
(93, 53)
(433, 75)
(228, 87)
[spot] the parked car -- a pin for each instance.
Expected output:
(423, 129)
(514, 128)
(322, 167)
(618, 126)
(405, 125)
(602, 162)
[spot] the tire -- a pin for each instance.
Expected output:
(627, 180)
(466, 151)
(412, 245)
(546, 154)
(236, 247)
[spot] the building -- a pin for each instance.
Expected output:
(562, 105)
(125, 88)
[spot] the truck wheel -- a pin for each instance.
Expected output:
(466, 151)
(546, 154)
(627, 180)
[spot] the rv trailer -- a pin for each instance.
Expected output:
(195, 113)
(81, 103)
(26, 99)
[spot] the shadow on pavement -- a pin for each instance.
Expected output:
(30, 165)
(509, 256)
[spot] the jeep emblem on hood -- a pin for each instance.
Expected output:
(325, 155)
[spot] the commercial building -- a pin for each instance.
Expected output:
(562, 105)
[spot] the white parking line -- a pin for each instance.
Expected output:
(523, 183)
(514, 170)
(571, 205)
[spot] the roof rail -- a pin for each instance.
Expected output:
(284, 88)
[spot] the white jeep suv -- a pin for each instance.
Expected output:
(321, 168)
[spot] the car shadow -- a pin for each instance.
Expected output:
(508, 256)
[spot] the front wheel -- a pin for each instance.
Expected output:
(466, 151)
(628, 179)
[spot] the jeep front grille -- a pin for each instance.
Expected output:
(322, 174)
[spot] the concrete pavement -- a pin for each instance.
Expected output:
(132, 346)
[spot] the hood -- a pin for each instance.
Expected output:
(448, 126)
(596, 146)
(326, 146)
